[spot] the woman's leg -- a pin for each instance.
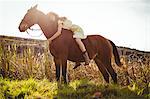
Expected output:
(82, 47)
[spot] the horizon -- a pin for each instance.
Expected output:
(41, 40)
(125, 22)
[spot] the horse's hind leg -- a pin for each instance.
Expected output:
(110, 69)
(57, 65)
(102, 69)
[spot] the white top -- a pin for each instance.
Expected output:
(67, 24)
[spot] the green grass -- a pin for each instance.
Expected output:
(78, 89)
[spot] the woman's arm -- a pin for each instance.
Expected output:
(60, 26)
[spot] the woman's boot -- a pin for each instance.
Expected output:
(86, 58)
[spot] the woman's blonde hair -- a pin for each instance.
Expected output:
(62, 18)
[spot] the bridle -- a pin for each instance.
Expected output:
(32, 28)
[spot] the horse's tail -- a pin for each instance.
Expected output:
(116, 55)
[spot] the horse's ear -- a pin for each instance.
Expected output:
(34, 6)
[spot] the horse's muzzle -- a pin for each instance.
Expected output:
(23, 27)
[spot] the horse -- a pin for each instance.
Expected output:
(64, 47)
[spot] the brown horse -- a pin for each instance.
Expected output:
(64, 47)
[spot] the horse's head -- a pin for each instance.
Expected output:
(29, 19)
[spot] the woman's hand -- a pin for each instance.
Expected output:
(58, 33)
(50, 41)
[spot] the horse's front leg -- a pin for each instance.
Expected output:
(57, 65)
(64, 70)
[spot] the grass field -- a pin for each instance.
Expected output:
(77, 89)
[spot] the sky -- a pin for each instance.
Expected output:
(125, 22)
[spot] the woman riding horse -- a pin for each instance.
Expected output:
(63, 22)
(64, 47)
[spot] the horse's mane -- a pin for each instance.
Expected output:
(53, 16)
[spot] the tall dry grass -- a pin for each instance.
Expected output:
(21, 59)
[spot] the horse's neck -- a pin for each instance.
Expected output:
(46, 25)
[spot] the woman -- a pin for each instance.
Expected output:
(63, 22)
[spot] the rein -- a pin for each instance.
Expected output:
(33, 30)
